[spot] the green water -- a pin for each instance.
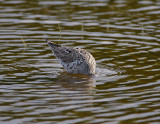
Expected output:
(122, 35)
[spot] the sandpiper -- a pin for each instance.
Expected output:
(74, 60)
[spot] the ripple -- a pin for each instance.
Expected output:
(123, 36)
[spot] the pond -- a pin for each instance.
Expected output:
(122, 35)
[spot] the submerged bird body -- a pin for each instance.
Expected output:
(74, 60)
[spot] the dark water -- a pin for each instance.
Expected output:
(122, 35)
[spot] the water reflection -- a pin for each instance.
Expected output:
(75, 82)
(122, 35)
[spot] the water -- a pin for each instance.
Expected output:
(122, 35)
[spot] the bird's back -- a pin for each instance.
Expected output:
(74, 60)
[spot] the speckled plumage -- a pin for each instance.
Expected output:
(74, 60)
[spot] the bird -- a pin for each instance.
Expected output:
(74, 60)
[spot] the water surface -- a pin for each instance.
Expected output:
(122, 35)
